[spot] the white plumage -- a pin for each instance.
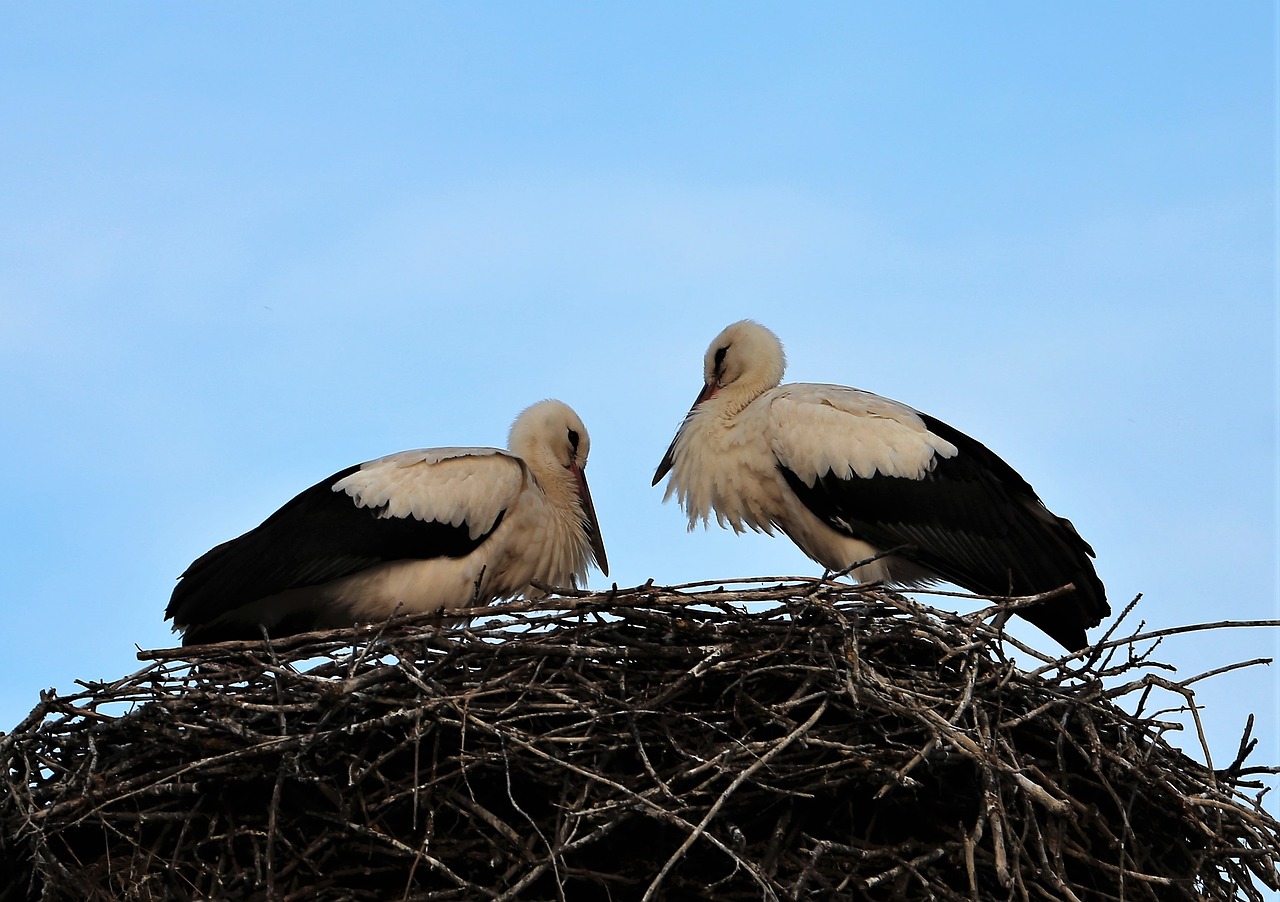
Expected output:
(425, 530)
(847, 474)
(456, 486)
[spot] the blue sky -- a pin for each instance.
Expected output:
(244, 245)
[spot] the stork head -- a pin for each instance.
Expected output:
(745, 358)
(550, 429)
(742, 363)
(550, 438)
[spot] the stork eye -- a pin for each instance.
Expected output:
(573, 439)
(720, 352)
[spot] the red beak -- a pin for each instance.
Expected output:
(589, 520)
(708, 391)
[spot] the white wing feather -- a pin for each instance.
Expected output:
(816, 428)
(457, 486)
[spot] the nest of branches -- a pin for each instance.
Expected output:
(807, 739)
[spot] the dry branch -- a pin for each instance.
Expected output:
(783, 740)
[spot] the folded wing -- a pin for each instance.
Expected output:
(890, 476)
(415, 505)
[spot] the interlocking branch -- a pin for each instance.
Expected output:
(778, 739)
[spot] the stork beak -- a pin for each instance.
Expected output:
(668, 459)
(590, 522)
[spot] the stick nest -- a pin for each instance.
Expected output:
(807, 739)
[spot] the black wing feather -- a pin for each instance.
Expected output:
(318, 536)
(974, 521)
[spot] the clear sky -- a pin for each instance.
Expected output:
(243, 245)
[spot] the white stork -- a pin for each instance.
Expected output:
(418, 531)
(847, 475)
